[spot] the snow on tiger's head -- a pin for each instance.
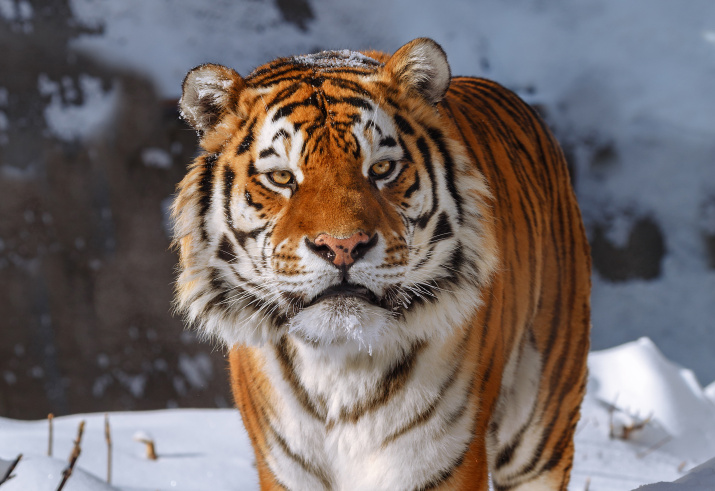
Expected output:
(329, 203)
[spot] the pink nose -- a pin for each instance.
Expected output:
(343, 252)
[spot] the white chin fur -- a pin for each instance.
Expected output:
(343, 321)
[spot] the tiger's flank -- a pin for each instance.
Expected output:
(396, 262)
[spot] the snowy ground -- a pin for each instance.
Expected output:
(631, 386)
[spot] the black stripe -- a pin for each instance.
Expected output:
(206, 190)
(281, 134)
(267, 153)
(436, 135)
(407, 155)
(372, 124)
(284, 354)
(393, 381)
(308, 467)
(250, 202)
(358, 102)
(403, 125)
(247, 141)
(312, 100)
(388, 142)
(427, 160)
(225, 251)
(414, 187)
(449, 380)
(228, 177)
(241, 235)
(283, 95)
(443, 230)
(273, 69)
(349, 85)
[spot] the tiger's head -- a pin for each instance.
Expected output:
(330, 202)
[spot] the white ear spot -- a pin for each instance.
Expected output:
(208, 92)
(422, 65)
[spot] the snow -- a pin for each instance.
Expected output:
(329, 59)
(209, 449)
(156, 157)
(197, 450)
(66, 117)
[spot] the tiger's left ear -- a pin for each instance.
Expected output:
(209, 92)
(421, 65)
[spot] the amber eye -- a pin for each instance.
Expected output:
(281, 178)
(381, 170)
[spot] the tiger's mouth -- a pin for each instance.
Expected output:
(347, 290)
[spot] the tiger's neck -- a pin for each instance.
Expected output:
(341, 413)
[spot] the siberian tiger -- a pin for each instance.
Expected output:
(397, 264)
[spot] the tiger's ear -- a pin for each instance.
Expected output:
(209, 91)
(421, 65)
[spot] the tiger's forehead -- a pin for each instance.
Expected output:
(310, 99)
(326, 60)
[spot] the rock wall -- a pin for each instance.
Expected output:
(85, 267)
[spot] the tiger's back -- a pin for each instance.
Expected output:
(449, 339)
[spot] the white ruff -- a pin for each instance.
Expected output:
(341, 321)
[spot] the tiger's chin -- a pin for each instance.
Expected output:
(352, 323)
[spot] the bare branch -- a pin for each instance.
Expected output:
(50, 418)
(108, 439)
(8, 475)
(73, 456)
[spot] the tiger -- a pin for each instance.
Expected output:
(395, 262)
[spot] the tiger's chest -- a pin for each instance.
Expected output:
(365, 423)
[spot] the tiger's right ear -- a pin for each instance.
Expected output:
(421, 66)
(209, 92)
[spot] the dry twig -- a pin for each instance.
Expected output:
(108, 439)
(50, 418)
(8, 475)
(73, 457)
(142, 437)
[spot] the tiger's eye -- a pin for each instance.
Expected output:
(381, 169)
(281, 177)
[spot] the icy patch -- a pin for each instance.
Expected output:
(9, 377)
(197, 370)
(156, 157)
(70, 122)
(133, 383)
(620, 228)
(14, 11)
(100, 385)
(334, 59)
(4, 126)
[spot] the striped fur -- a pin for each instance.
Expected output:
(455, 346)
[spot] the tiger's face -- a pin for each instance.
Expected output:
(329, 203)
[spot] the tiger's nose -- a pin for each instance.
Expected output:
(342, 252)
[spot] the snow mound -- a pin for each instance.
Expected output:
(38, 473)
(700, 478)
(639, 382)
